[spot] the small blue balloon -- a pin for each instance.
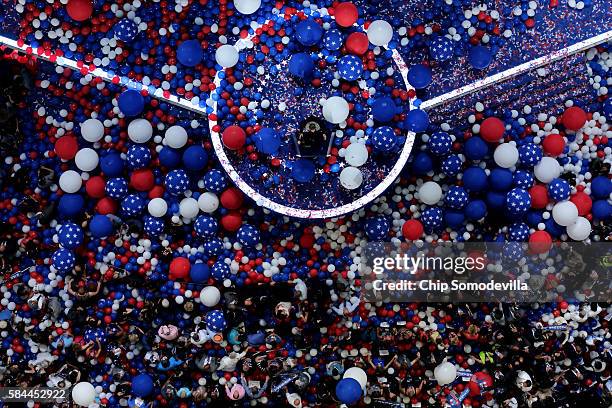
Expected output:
(125, 30)
(308, 32)
(131, 102)
(475, 148)
(422, 163)
(474, 179)
(190, 53)
(303, 170)
(501, 179)
(475, 210)
(419, 76)
(301, 65)
(480, 57)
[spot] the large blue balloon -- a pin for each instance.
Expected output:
(199, 272)
(308, 32)
(125, 30)
(267, 141)
(419, 76)
(190, 53)
(383, 109)
(303, 170)
(348, 391)
(475, 210)
(422, 163)
(601, 187)
(71, 205)
(100, 226)
(602, 210)
(195, 158)
(475, 148)
(169, 157)
(131, 102)
(112, 165)
(301, 65)
(480, 57)
(474, 179)
(417, 120)
(142, 385)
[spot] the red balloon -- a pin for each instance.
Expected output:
(79, 10)
(357, 43)
(66, 147)
(95, 187)
(553, 144)
(106, 206)
(540, 242)
(142, 179)
(412, 229)
(583, 202)
(563, 305)
(539, 196)
(574, 118)
(234, 137)
(231, 198)
(156, 192)
(492, 129)
(231, 221)
(478, 382)
(346, 14)
(179, 268)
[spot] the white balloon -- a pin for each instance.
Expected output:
(70, 181)
(226, 56)
(210, 296)
(506, 155)
(547, 169)
(356, 154)
(208, 202)
(189, 207)
(579, 230)
(86, 159)
(157, 207)
(335, 109)
(92, 130)
(445, 373)
(380, 33)
(351, 178)
(83, 394)
(176, 137)
(565, 213)
(430, 193)
(247, 7)
(140, 131)
(358, 375)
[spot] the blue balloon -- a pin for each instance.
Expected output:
(495, 199)
(475, 148)
(111, 165)
(71, 205)
(383, 109)
(441, 49)
(602, 210)
(333, 40)
(417, 120)
(348, 391)
(215, 320)
(169, 157)
(131, 102)
(138, 156)
(476, 210)
(601, 187)
(350, 67)
(142, 385)
(419, 76)
(303, 170)
(248, 235)
(383, 139)
(422, 163)
(301, 65)
(474, 179)
(125, 30)
(189, 53)
(308, 32)
(453, 218)
(480, 57)
(267, 141)
(195, 158)
(377, 228)
(63, 260)
(607, 108)
(199, 272)
(70, 235)
(501, 179)
(100, 226)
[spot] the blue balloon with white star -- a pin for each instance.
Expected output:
(350, 67)
(456, 197)
(214, 181)
(518, 201)
(63, 260)
(138, 156)
(559, 189)
(248, 235)
(116, 187)
(441, 49)
(432, 218)
(205, 226)
(213, 246)
(440, 143)
(519, 232)
(333, 40)
(530, 154)
(221, 271)
(384, 139)
(133, 205)
(523, 179)
(512, 251)
(177, 182)
(215, 321)
(153, 226)
(451, 165)
(70, 235)
(125, 30)
(377, 228)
